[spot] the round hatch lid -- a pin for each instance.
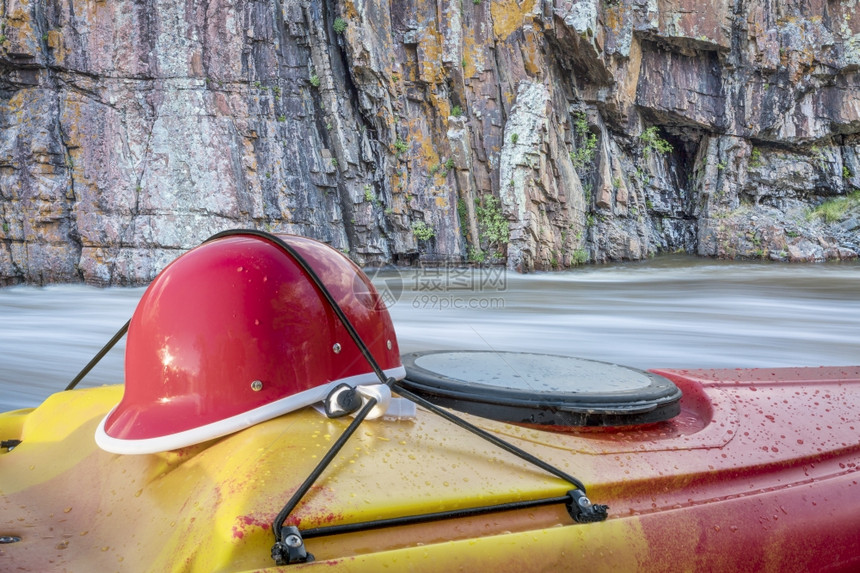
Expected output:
(541, 389)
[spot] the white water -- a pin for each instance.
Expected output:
(667, 312)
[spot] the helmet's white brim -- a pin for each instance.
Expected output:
(234, 423)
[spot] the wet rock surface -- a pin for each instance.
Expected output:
(536, 133)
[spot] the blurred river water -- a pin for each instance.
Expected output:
(672, 311)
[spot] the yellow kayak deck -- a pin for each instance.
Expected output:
(723, 486)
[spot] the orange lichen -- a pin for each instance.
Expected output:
(429, 53)
(630, 83)
(508, 16)
(472, 56)
(427, 151)
(350, 11)
(531, 53)
(612, 17)
(397, 182)
(55, 44)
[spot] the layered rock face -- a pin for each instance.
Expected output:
(543, 134)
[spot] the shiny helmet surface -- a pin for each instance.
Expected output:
(235, 332)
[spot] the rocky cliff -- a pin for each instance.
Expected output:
(541, 133)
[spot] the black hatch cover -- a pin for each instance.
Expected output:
(541, 389)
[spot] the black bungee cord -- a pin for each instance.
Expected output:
(289, 545)
(99, 355)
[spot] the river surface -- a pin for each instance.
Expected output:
(666, 312)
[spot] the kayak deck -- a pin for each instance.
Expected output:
(758, 472)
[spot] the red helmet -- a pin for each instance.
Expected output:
(235, 332)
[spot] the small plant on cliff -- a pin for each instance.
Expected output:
(462, 212)
(315, 80)
(819, 157)
(846, 173)
(755, 159)
(584, 154)
(456, 111)
(514, 138)
(835, 209)
(492, 224)
(476, 255)
(339, 25)
(586, 192)
(652, 142)
(422, 231)
(580, 123)
(400, 146)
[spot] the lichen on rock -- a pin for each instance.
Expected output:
(131, 131)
